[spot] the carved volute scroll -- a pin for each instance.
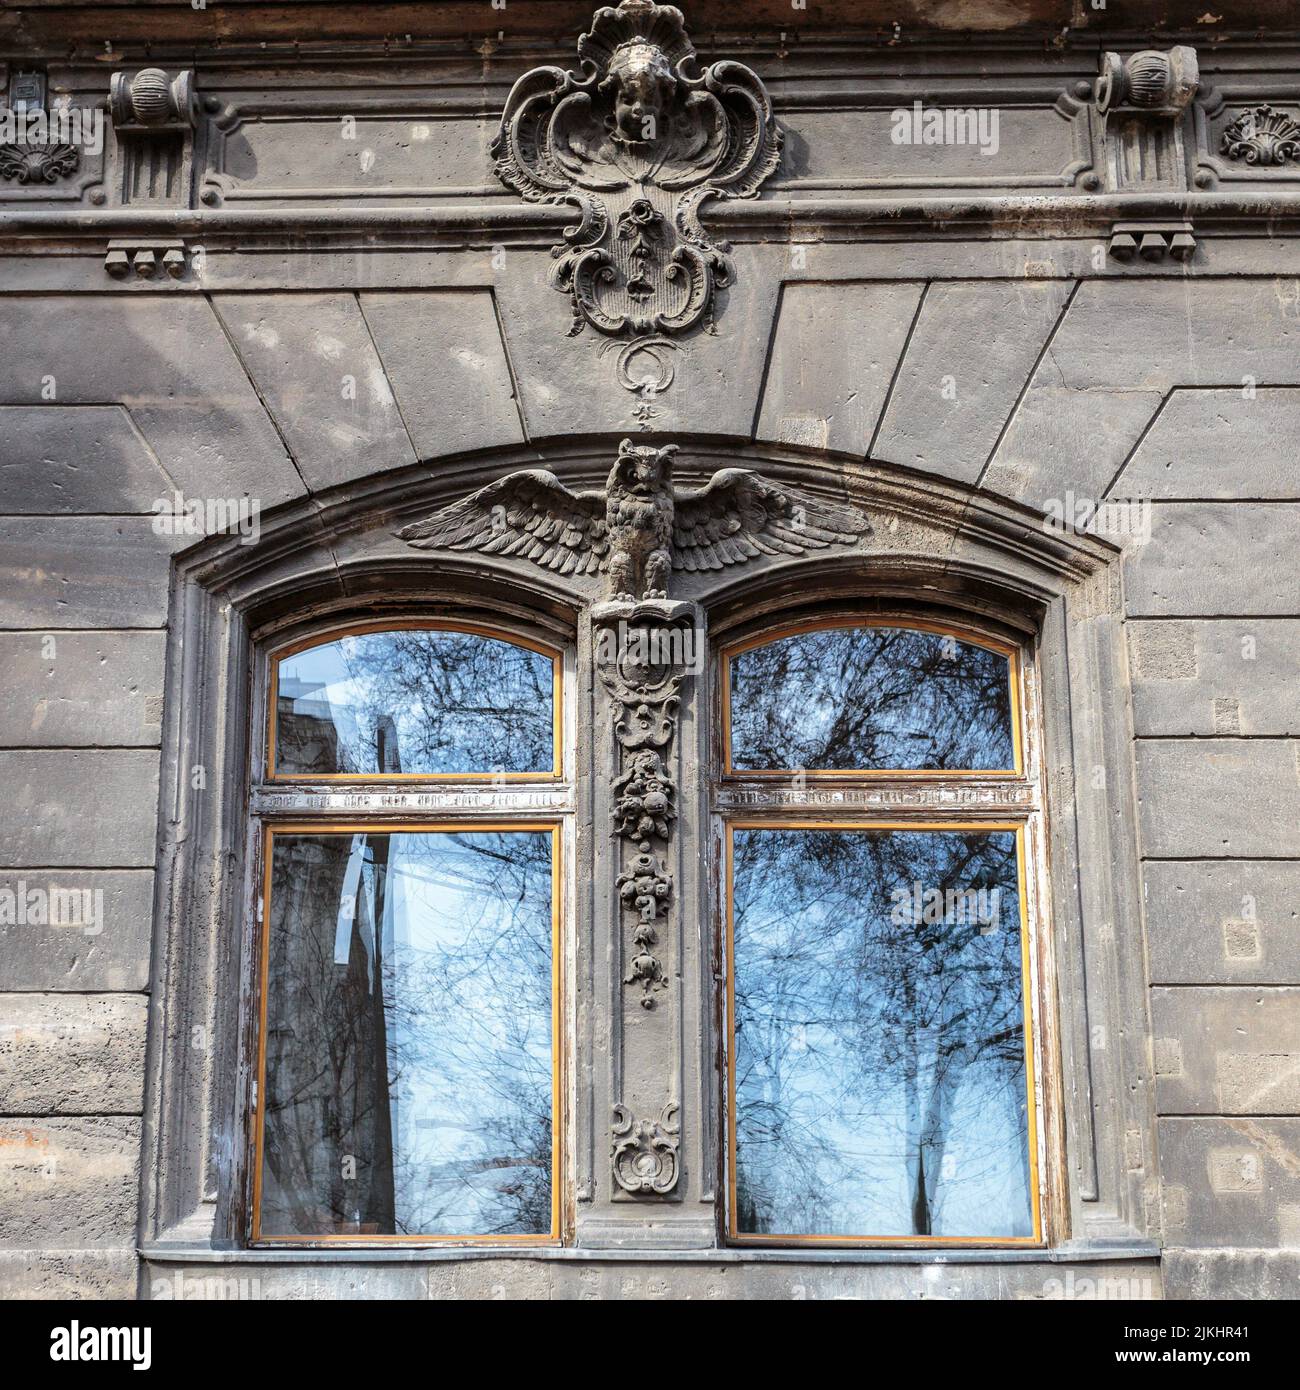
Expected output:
(645, 1152)
(638, 138)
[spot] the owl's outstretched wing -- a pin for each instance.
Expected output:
(739, 515)
(531, 514)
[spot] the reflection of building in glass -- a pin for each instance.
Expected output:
(313, 734)
(409, 1035)
(328, 1152)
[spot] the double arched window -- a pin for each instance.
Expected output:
(872, 793)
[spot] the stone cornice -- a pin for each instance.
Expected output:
(1025, 215)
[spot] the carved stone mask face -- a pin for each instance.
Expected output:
(644, 86)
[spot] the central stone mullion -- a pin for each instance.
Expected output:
(646, 655)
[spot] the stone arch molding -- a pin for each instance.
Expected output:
(643, 1085)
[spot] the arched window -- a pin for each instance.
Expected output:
(408, 1071)
(880, 941)
(416, 701)
(495, 910)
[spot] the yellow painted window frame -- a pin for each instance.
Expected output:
(1027, 824)
(1007, 649)
(555, 773)
(1027, 1013)
(559, 1117)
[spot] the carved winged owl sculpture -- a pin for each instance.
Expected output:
(638, 529)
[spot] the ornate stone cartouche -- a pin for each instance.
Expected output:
(638, 139)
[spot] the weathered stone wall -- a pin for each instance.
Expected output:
(986, 344)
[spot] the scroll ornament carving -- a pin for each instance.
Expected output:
(1262, 135)
(638, 139)
(645, 1151)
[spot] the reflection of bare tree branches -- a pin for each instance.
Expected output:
(409, 1087)
(418, 700)
(877, 1058)
(870, 697)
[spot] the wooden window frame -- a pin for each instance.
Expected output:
(1008, 649)
(316, 804)
(1007, 800)
(554, 773)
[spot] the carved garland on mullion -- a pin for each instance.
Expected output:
(639, 658)
(645, 692)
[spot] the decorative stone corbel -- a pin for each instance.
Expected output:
(638, 139)
(1140, 104)
(154, 114)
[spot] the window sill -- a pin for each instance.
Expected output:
(165, 1253)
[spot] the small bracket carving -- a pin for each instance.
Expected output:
(148, 259)
(154, 115)
(644, 1152)
(638, 139)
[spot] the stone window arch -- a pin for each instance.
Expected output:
(644, 1166)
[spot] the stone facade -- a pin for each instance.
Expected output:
(328, 288)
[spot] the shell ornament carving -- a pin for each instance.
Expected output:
(638, 139)
(36, 164)
(1262, 135)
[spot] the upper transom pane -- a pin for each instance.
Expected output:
(857, 698)
(416, 702)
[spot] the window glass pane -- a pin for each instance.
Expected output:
(879, 1045)
(861, 698)
(408, 1035)
(415, 700)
